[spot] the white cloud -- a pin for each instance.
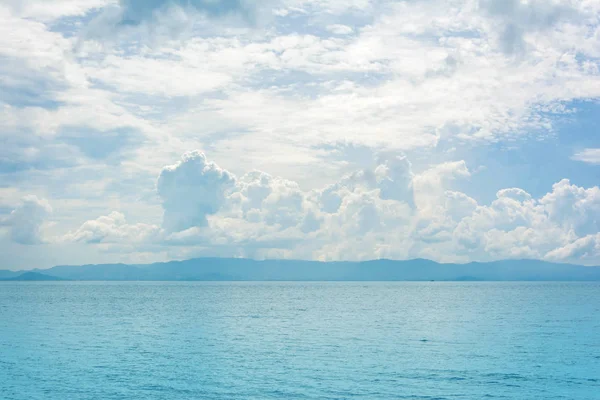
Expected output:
(574, 208)
(404, 81)
(429, 185)
(26, 220)
(517, 225)
(158, 77)
(135, 11)
(192, 189)
(335, 7)
(113, 228)
(514, 19)
(448, 79)
(356, 219)
(589, 156)
(390, 77)
(31, 55)
(585, 249)
(45, 10)
(387, 211)
(272, 201)
(339, 29)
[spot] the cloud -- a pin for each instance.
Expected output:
(387, 211)
(110, 146)
(44, 93)
(170, 18)
(31, 62)
(147, 75)
(515, 194)
(135, 11)
(573, 207)
(48, 11)
(429, 185)
(339, 29)
(113, 228)
(589, 156)
(586, 249)
(518, 225)
(290, 90)
(26, 220)
(329, 7)
(258, 213)
(80, 114)
(350, 85)
(273, 201)
(192, 189)
(262, 215)
(361, 217)
(392, 179)
(516, 18)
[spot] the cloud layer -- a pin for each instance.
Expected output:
(25, 222)
(384, 212)
(311, 111)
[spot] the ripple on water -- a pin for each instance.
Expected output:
(73, 340)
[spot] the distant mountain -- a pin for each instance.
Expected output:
(4, 274)
(33, 276)
(237, 269)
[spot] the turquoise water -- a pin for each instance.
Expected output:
(431, 340)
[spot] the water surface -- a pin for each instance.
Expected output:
(272, 340)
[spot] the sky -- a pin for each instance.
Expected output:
(138, 131)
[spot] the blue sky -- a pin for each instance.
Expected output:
(139, 131)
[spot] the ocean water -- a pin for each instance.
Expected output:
(224, 340)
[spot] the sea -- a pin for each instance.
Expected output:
(300, 340)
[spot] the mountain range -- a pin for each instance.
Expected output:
(239, 269)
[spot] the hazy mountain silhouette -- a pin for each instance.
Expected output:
(237, 269)
(33, 276)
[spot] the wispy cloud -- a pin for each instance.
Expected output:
(590, 156)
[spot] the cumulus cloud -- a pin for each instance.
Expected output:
(113, 228)
(26, 220)
(518, 225)
(192, 189)
(392, 179)
(258, 213)
(585, 249)
(387, 211)
(429, 185)
(274, 201)
(573, 207)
